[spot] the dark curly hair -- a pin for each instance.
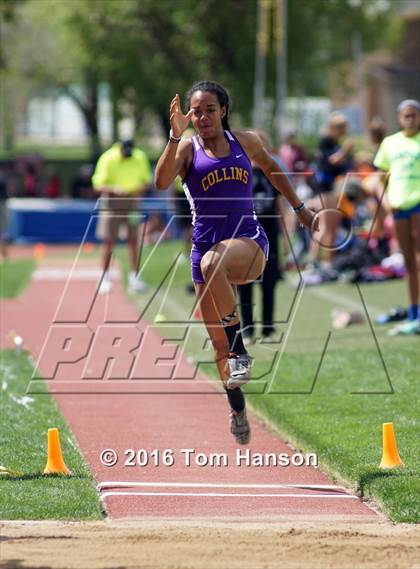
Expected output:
(218, 90)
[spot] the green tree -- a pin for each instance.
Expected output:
(320, 36)
(148, 50)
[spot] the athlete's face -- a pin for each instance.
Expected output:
(410, 120)
(207, 115)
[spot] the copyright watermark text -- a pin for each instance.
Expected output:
(189, 457)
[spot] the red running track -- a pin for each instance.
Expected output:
(120, 415)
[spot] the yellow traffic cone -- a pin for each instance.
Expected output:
(55, 462)
(390, 456)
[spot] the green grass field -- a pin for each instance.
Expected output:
(66, 152)
(316, 402)
(48, 151)
(365, 377)
(23, 448)
(15, 274)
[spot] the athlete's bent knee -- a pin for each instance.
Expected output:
(210, 265)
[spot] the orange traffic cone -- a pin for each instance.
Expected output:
(390, 456)
(55, 462)
(39, 251)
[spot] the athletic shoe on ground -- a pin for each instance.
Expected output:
(239, 370)
(406, 329)
(269, 334)
(248, 340)
(239, 427)
(135, 284)
(105, 286)
(395, 314)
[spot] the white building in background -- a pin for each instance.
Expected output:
(55, 119)
(307, 115)
(58, 120)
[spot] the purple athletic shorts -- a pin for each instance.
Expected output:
(198, 251)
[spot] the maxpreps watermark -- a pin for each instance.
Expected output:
(189, 457)
(143, 351)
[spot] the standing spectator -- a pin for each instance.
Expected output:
(31, 182)
(295, 159)
(122, 174)
(377, 132)
(267, 207)
(52, 188)
(292, 154)
(371, 180)
(333, 156)
(81, 185)
(3, 213)
(399, 157)
(333, 161)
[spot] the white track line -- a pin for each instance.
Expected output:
(227, 495)
(62, 274)
(128, 484)
(335, 297)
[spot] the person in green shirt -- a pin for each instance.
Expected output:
(399, 157)
(122, 174)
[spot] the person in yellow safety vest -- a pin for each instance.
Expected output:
(122, 174)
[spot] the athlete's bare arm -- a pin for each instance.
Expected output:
(256, 152)
(173, 162)
(176, 158)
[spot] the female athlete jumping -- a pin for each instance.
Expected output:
(229, 246)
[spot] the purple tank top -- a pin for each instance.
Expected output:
(219, 191)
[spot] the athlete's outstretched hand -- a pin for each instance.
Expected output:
(309, 219)
(179, 121)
